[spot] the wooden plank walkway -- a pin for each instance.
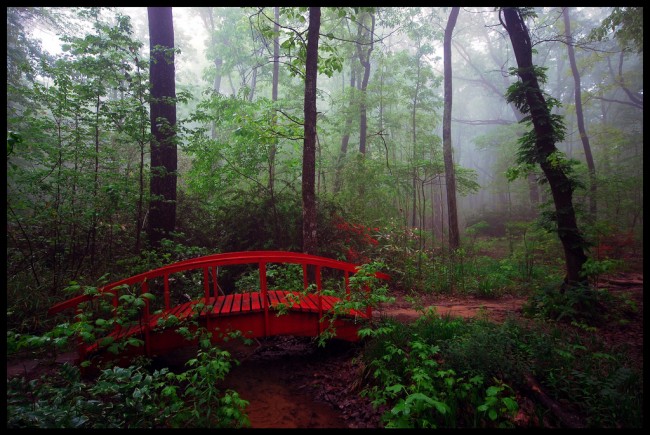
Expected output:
(233, 305)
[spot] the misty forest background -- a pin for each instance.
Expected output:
(78, 155)
(447, 202)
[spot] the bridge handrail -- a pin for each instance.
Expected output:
(215, 260)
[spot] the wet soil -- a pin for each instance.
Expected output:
(275, 379)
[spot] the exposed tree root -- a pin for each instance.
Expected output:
(568, 420)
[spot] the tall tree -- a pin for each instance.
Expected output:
(274, 92)
(364, 59)
(450, 175)
(208, 18)
(345, 139)
(540, 145)
(309, 230)
(162, 205)
(579, 115)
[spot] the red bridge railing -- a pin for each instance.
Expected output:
(210, 264)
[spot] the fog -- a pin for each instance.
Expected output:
(407, 55)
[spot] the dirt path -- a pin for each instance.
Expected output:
(493, 309)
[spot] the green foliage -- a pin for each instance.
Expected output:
(279, 277)
(130, 397)
(432, 373)
(170, 251)
(424, 394)
(66, 207)
(580, 305)
(211, 407)
(366, 290)
(627, 26)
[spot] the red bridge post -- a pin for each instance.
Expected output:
(265, 298)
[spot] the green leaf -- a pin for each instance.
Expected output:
(106, 341)
(510, 404)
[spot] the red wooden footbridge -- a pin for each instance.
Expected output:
(261, 312)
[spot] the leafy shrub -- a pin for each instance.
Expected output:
(577, 305)
(422, 393)
(574, 368)
(129, 397)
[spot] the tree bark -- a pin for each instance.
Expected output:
(162, 205)
(274, 95)
(561, 186)
(364, 59)
(309, 230)
(345, 139)
(450, 175)
(580, 117)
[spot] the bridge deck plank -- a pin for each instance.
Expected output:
(273, 299)
(328, 302)
(218, 305)
(175, 310)
(246, 303)
(227, 304)
(256, 302)
(208, 305)
(187, 310)
(313, 302)
(236, 303)
(296, 301)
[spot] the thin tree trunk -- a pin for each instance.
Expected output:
(364, 59)
(345, 139)
(414, 139)
(450, 175)
(580, 117)
(309, 228)
(93, 226)
(253, 85)
(274, 145)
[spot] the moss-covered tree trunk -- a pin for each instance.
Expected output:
(545, 151)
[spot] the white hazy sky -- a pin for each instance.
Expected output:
(191, 24)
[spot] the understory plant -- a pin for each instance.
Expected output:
(130, 397)
(421, 392)
(453, 372)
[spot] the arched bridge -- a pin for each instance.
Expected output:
(268, 310)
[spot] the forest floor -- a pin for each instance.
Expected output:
(342, 377)
(289, 382)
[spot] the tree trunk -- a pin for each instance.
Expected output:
(561, 186)
(162, 205)
(274, 145)
(309, 239)
(345, 139)
(580, 117)
(450, 175)
(414, 140)
(364, 59)
(274, 95)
